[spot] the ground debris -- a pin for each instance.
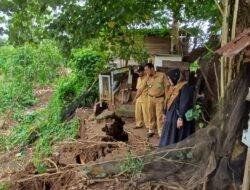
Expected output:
(105, 115)
(115, 129)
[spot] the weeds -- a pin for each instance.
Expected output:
(41, 133)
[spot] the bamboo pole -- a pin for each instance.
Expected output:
(219, 7)
(235, 15)
(233, 34)
(224, 38)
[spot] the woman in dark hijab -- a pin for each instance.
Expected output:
(180, 100)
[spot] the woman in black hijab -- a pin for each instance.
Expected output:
(180, 100)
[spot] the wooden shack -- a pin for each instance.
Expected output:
(159, 49)
(156, 45)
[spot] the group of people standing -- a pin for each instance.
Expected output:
(161, 103)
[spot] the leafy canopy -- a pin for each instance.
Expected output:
(72, 22)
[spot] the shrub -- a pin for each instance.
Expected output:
(43, 128)
(132, 164)
(86, 65)
(49, 59)
(6, 52)
(24, 67)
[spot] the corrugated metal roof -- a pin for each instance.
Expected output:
(241, 42)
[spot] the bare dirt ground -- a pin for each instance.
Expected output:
(90, 147)
(91, 135)
(64, 172)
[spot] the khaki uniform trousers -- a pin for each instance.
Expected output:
(156, 108)
(141, 113)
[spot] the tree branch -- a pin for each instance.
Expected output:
(219, 7)
(207, 83)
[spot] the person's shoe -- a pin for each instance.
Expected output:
(149, 135)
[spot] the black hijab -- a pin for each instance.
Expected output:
(174, 75)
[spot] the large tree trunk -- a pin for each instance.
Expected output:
(233, 95)
(243, 18)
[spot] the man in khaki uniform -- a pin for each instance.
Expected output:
(157, 85)
(141, 109)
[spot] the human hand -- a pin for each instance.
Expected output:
(179, 123)
(164, 117)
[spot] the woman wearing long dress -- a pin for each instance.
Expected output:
(180, 100)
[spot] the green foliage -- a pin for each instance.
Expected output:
(130, 46)
(68, 88)
(40, 131)
(132, 164)
(86, 65)
(3, 142)
(124, 46)
(6, 52)
(16, 95)
(35, 20)
(51, 132)
(108, 17)
(160, 32)
(24, 67)
(27, 20)
(41, 168)
(22, 136)
(194, 66)
(194, 113)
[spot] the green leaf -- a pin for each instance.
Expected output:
(201, 125)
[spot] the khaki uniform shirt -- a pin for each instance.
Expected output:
(144, 95)
(157, 85)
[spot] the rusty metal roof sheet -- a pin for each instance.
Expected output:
(241, 42)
